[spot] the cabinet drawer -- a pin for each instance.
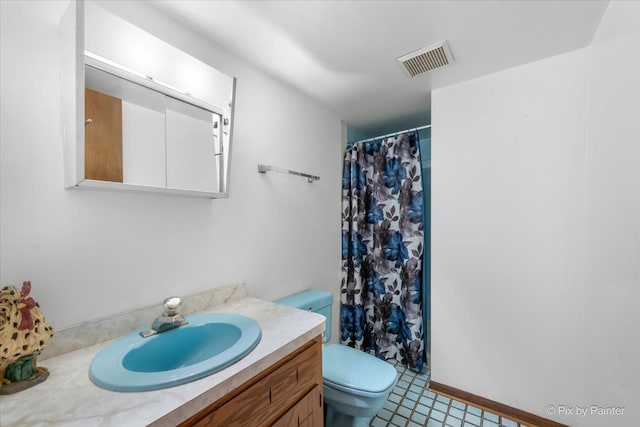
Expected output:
(253, 403)
(296, 376)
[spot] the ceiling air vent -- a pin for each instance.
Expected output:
(426, 59)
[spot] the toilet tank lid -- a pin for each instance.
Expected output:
(311, 300)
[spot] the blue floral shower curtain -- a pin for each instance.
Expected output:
(382, 249)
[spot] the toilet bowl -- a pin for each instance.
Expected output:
(356, 384)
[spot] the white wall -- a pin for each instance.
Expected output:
(536, 230)
(90, 253)
(612, 287)
(507, 171)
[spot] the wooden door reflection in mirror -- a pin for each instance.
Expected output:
(103, 137)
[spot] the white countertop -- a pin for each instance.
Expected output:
(69, 398)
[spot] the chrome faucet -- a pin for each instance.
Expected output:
(169, 319)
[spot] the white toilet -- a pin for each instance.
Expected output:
(356, 384)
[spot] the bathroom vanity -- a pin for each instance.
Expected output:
(278, 384)
(287, 394)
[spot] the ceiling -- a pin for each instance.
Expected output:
(343, 53)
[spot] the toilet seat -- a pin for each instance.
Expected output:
(353, 371)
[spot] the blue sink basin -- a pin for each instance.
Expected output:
(209, 343)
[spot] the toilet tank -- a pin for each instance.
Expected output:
(312, 300)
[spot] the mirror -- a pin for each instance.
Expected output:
(137, 134)
(147, 116)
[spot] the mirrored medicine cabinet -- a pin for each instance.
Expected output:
(139, 114)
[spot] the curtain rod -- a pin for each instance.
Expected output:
(393, 134)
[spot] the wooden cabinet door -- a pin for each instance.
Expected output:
(289, 392)
(307, 412)
(102, 137)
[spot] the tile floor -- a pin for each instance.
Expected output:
(411, 404)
